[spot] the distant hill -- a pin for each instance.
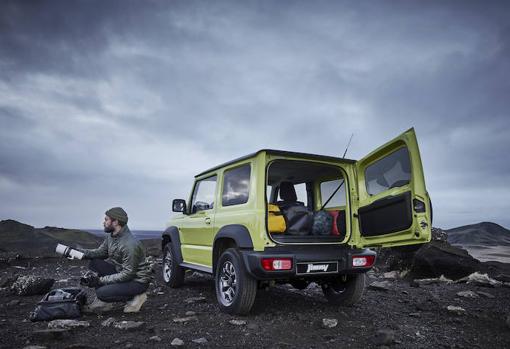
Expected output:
(24, 239)
(484, 234)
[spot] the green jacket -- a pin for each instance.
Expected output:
(128, 256)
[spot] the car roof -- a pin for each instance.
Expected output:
(307, 156)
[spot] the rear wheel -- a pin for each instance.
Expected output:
(345, 290)
(235, 288)
(173, 273)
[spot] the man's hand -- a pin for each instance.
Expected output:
(90, 280)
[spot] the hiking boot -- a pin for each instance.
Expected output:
(136, 303)
(97, 306)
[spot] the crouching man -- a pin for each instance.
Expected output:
(125, 275)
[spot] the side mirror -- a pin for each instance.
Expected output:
(179, 205)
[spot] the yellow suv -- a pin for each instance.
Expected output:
(286, 217)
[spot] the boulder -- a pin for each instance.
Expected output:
(30, 285)
(439, 258)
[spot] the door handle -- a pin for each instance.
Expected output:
(207, 220)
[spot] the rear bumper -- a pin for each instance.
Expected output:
(304, 256)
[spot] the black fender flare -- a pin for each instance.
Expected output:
(171, 235)
(235, 232)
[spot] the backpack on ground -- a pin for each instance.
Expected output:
(61, 303)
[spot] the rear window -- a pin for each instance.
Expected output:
(327, 190)
(236, 186)
(391, 171)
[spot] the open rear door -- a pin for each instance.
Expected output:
(393, 207)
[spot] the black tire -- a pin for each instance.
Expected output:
(172, 272)
(299, 284)
(235, 288)
(348, 292)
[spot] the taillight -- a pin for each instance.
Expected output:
(276, 263)
(363, 261)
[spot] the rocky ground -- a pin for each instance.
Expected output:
(393, 313)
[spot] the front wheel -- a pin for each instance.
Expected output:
(235, 288)
(345, 290)
(173, 273)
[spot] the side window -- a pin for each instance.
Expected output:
(391, 171)
(236, 186)
(203, 196)
(328, 188)
(300, 193)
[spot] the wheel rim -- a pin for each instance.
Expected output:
(227, 283)
(167, 266)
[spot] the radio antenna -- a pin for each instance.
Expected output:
(348, 144)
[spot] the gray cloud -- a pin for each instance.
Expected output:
(123, 102)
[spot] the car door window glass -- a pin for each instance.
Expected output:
(236, 186)
(203, 196)
(327, 189)
(391, 171)
(300, 193)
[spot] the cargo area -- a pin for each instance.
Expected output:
(306, 202)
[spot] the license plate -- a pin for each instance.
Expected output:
(317, 268)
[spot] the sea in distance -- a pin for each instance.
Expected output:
(139, 234)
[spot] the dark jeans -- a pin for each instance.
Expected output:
(118, 292)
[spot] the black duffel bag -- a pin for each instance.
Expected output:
(61, 303)
(298, 219)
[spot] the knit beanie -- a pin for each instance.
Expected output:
(117, 213)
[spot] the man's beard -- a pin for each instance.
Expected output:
(109, 229)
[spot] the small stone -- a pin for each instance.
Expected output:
(35, 347)
(155, 338)
(456, 310)
(380, 285)
(163, 307)
(13, 303)
(129, 345)
(253, 326)
(329, 323)
(181, 320)
(391, 275)
(414, 314)
(177, 342)
(384, 337)
(67, 323)
(237, 322)
(483, 280)
(467, 294)
(201, 340)
(195, 300)
(508, 321)
(108, 322)
(129, 325)
(485, 294)
(190, 313)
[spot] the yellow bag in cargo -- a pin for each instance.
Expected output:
(275, 220)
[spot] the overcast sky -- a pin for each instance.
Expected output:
(106, 103)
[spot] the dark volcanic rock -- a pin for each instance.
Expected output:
(439, 258)
(31, 285)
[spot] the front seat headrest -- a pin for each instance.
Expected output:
(287, 191)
